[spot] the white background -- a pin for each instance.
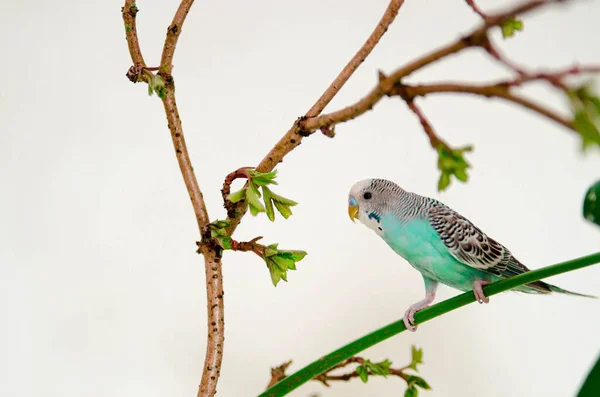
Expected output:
(101, 291)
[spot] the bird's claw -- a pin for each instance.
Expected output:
(478, 291)
(409, 317)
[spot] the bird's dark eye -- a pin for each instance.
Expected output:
(367, 196)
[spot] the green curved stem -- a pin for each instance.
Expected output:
(323, 364)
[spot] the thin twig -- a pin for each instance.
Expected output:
(364, 51)
(475, 8)
(226, 190)
(434, 139)
(173, 33)
(495, 90)
(129, 12)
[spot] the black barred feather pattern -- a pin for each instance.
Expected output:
(468, 244)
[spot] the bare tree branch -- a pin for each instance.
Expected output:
(500, 90)
(476, 9)
(173, 33)
(357, 59)
(212, 258)
(129, 12)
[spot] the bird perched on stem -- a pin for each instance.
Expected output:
(437, 241)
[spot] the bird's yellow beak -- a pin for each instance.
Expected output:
(353, 212)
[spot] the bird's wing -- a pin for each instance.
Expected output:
(469, 245)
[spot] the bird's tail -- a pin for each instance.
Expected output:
(541, 287)
(554, 288)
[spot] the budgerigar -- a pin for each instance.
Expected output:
(437, 241)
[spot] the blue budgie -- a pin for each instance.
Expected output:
(437, 241)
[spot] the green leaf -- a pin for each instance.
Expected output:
(280, 199)
(591, 386)
(586, 110)
(270, 251)
(417, 358)
(418, 381)
(220, 224)
(295, 255)
(362, 371)
(237, 196)
(411, 392)
(274, 271)
(444, 181)
(263, 178)
(283, 209)
(268, 203)
(252, 195)
(591, 204)
(282, 262)
(279, 262)
(224, 242)
(583, 124)
(452, 162)
(156, 84)
(510, 26)
(381, 368)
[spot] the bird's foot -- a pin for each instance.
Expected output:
(478, 291)
(409, 315)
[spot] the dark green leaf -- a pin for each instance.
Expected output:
(411, 392)
(591, 386)
(418, 381)
(591, 204)
(362, 371)
(237, 196)
(510, 26)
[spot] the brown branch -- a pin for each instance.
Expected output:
(476, 9)
(129, 12)
(173, 33)
(383, 25)
(212, 259)
(226, 190)
(251, 245)
(500, 90)
(434, 139)
(278, 373)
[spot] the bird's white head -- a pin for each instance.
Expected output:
(369, 199)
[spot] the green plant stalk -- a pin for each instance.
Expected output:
(323, 364)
